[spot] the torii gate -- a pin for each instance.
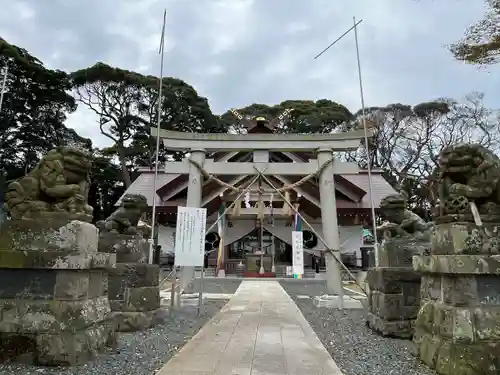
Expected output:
(199, 144)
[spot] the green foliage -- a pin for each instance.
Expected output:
(107, 185)
(306, 116)
(127, 106)
(407, 141)
(34, 109)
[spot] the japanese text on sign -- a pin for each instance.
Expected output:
(298, 253)
(190, 236)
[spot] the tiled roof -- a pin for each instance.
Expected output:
(380, 188)
(144, 185)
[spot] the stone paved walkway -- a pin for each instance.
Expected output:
(260, 331)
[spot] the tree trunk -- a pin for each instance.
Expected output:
(127, 181)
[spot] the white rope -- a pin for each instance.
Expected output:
(320, 238)
(228, 208)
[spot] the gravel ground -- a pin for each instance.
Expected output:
(216, 285)
(352, 345)
(140, 353)
(210, 284)
(303, 287)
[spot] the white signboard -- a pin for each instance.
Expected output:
(289, 271)
(190, 236)
(298, 253)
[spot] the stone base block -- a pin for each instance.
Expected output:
(457, 331)
(394, 293)
(60, 348)
(137, 308)
(56, 234)
(450, 357)
(17, 347)
(398, 252)
(134, 291)
(459, 340)
(391, 306)
(128, 248)
(53, 292)
(55, 332)
(395, 280)
(129, 321)
(137, 300)
(400, 329)
(466, 238)
(133, 275)
(394, 300)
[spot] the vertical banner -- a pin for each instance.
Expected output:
(297, 223)
(297, 254)
(220, 271)
(190, 236)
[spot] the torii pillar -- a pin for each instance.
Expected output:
(194, 199)
(329, 222)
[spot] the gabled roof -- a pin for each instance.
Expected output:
(352, 190)
(380, 189)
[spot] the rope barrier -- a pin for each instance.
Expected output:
(280, 191)
(331, 251)
(238, 189)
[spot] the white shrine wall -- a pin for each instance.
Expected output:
(351, 237)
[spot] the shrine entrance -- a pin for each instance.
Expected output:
(259, 248)
(266, 180)
(263, 174)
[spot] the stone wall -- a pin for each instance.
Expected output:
(458, 326)
(394, 296)
(54, 308)
(134, 290)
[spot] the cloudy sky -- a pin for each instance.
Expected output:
(238, 52)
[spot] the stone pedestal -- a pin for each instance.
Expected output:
(134, 285)
(54, 308)
(394, 296)
(457, 331)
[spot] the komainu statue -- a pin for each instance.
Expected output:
(394, 287)
(58, 184)
(125, 218)
(457, 327)
(468, 181)
(401, 222)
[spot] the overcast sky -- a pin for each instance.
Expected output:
(238, 52)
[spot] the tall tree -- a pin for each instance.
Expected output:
(408, 140)
(107, 185)
(182, 110)
(126, 104)
(298, 116)
(34, 109)
(114, 96)
(481, 43)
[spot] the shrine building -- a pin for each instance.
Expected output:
(331, 195)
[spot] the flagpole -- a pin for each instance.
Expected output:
(160, 100)
(368, 156)
(374, 224)
(4, 83)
